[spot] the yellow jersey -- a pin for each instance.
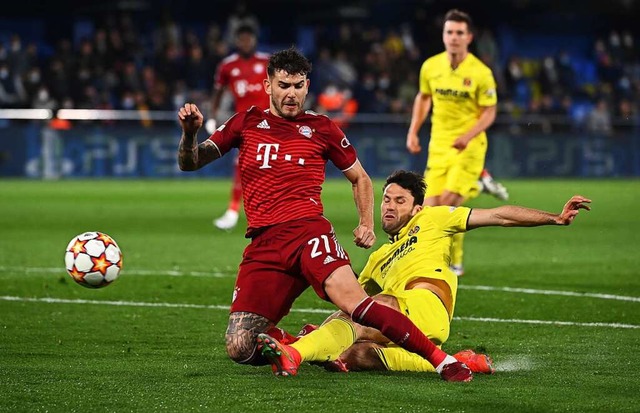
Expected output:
(421, 249)
(457, 95)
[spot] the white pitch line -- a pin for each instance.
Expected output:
(215, 273)
(219, 273)
(545, 322)
(549, 292)
(51, 300)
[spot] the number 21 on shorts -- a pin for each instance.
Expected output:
(322, 245)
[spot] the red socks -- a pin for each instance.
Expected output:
(281, 335)
(397, 328)
(236, 191)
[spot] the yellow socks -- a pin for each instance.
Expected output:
(398, 359)
(456, 248)
(327, 342)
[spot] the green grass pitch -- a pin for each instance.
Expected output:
(557, 308)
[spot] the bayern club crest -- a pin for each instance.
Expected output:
(305, 131)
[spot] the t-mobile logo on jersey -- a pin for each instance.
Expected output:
(270, 153)
(268, 147)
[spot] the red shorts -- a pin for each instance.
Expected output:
(282, 261)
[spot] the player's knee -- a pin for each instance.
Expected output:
(343, 289)
(241, 346)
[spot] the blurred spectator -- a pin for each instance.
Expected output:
(125, 57)
(626, 110)
(88, 98)
(32, 82)
(197, 71)
(128, 101)
(241, 16)
(130, 77)
(43, 100)
(628, 118)
(4, 54)
(393, 45)
(17, 57)
(168, 33)
(169, 63)
(365, 92)
(12, 93)
(599, 120)
(57, 79)
(338, 104)
(32, 56)
(344, 70)
(514, 74)
(143, 108)
(407, 91)
(487, 48)
(380, 102)
(565, 71)
(549, 77)
(324, 72)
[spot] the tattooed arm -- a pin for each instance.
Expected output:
(191, 155)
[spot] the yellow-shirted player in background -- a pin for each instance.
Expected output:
(411, 274)
(461, 92)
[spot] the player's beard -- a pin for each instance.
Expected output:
(392, 228)
(278, 106)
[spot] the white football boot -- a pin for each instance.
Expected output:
(228, 221)
(494, 188)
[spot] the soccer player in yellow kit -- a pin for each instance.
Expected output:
(462, 92)
(411, 274)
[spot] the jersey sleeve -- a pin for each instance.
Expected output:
(339, 150)
(425, 88)
(486, 93)
(451, 219)
(229, 134)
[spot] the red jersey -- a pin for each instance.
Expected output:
(282, 162)
(244, 77)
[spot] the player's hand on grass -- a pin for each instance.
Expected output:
(413, 143)
(572, 208)
(190, 118)
(364, 236)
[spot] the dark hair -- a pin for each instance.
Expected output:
(460, 17)
(245, 29)
(289, 60)
(411, 181)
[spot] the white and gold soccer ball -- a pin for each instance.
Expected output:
(93, 259)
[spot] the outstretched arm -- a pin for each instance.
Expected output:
(364, 235)
(515, 216)
(421, 107)
(192, 156)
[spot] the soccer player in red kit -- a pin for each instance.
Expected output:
(242, 73)
(283, 154)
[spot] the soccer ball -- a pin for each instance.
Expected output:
(93, 259)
